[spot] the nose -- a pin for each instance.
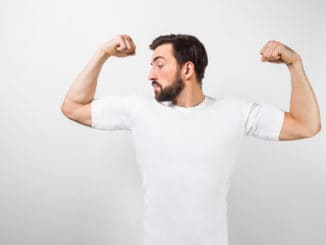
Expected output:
(152, 75)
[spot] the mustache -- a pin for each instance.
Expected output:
(155, 82)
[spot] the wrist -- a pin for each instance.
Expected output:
(102, 55)
(296, 65)
(295, 62)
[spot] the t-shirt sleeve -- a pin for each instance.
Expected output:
(263, 121)
(114, 112)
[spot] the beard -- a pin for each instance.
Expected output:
(171, 92)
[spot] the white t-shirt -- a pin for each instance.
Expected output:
(186, 156)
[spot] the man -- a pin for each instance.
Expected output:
(186, 142)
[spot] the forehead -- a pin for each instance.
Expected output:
(164, 51)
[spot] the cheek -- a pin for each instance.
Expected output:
(163, 77)
(168, 74)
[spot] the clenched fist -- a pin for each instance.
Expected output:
(119, 46)
(276, 52)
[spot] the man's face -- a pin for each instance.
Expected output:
(165, 74)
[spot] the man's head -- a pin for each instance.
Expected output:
(176, 58)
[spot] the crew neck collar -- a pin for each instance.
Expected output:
(186, 109)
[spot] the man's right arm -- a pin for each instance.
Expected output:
(77, 103)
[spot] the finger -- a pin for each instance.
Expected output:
(263, 59)
(264, 48)
(127, 42)
(276, 55)
(267, 47)
(264, 51)
(122, 44)
(131, 43)
(270, 51)
(276, 60)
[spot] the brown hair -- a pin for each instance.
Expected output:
(185, 48)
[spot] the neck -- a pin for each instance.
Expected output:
(190, 96)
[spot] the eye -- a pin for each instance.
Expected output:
(160, 66)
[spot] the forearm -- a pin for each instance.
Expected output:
(83, 88)
(303, 104)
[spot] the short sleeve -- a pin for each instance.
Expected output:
(114, 112)
(263, 121)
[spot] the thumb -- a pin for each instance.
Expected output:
(118, 47)
(263, 59)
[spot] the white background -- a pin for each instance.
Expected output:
(64, 183)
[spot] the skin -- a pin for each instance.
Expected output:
(179, 84)
(303, 119)
(172, 82)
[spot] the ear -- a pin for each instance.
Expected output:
(188, 70)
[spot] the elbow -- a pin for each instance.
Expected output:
(314, 131)
(65, 110)
(318, 128)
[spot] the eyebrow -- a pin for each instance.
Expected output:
(157, 57)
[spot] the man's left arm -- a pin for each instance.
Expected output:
(303, 119)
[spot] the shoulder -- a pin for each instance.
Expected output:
(232, 101)
(236, 106)
(129, 101)
(132, 99)
(137, 102)
(138, 99)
